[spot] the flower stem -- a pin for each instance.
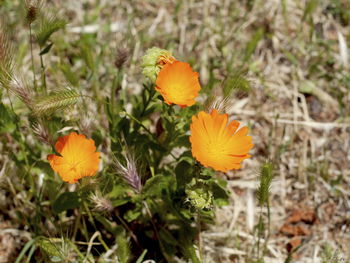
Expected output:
(32, 56)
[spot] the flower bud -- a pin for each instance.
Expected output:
(200, 196)
(154, 59)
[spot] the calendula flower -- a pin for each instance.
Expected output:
(217, 143)
(78, 157)
(154, 59)
(178, 84)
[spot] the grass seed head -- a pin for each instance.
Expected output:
(121, 57)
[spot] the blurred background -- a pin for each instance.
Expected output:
(285, 64)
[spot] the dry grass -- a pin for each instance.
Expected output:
(298, 107)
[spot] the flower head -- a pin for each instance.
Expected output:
(154, 59)
(217, 143)
(178, 84)
(101, 203)
(78, 157)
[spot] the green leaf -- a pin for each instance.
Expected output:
(311, 5)
(46, 49)
(140, 259)
(167, 237)
(118, 191)
(7, 120)
(220, 194)
(132, 215)
(183, 141)
(251, 46)
(157, 185)
(67, 200)
(183, 173)
(27, 246)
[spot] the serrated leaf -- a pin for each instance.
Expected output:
(67, 200)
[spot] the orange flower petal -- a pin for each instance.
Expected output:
(178, 84)
(78, 157)
(217, 144)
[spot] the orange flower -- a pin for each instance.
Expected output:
(178, 84)
(217, 144)
(78, 157)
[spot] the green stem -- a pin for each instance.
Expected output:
(200, 248)
(138, 122)
(133, 236)
(32, 56)
(91, 219)
(43, 75)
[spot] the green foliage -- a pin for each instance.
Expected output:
(251, 46)
(65, 201)
(7, 123)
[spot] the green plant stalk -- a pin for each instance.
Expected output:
(27, 246)
(259, 233)
(32, 56)
(268, 220)
(200, 248)
(133, 236)
(138, 122)
(43, 75)
(91, 218)
(115, 83)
